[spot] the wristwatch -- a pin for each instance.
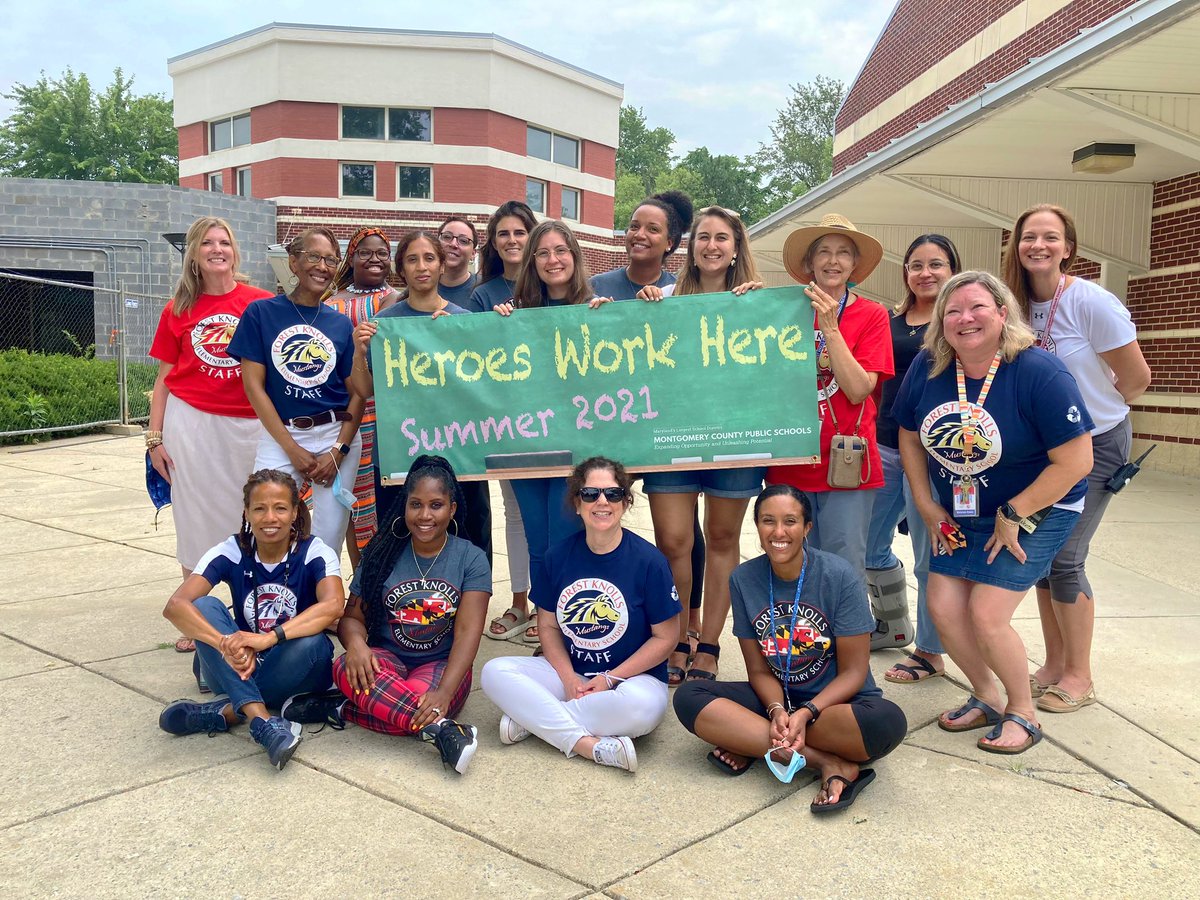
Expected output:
(1007, 512)
(812, 710)
(343, 449)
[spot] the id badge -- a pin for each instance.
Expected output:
(966, 497)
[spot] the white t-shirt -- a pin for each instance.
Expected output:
(1089, 321)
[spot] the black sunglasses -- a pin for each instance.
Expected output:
(592, 494)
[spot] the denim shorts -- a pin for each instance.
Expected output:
(733, 484)
(1040, 548)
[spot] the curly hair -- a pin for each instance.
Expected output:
(579, 475)
(301, 528)
(677, 207)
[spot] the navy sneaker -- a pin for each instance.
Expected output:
(278, 737)
(456, 743)
(190, 717)
(316, 708)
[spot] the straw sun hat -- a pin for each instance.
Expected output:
(870, 251)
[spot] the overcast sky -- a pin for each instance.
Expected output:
(711, 72)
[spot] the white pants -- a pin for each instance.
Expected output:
(514, 540)
(329, 517)
(530, 692)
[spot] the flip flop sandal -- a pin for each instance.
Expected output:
(919, 672)
(1056, 700)
(727, 768)
(692, 636)
(675, 674)
(1038, 688)
(990, 717)
(850, 791)
(519, 620)
(694, 674)
(1035, 735)
(185, 645)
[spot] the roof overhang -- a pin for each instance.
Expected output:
(969, 172)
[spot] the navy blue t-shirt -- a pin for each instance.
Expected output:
(490, 294)
(617, 285)
(266, 596)
(605, 604)
(402, 310)
(307, 352)
(459, 294)
(1034, 406)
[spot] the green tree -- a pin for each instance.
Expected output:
(722, 180)
(799, 155)
(61, 128)
(642, 151)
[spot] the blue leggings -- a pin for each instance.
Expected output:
(548, 519)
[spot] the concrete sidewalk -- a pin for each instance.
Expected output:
(99, 802)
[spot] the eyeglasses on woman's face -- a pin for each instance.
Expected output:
(562, 251)
(365, 255)
(314, 258)
(461, 239)
(934, 267)
(592, 494)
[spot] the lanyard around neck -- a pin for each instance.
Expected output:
(966, 411)
(787, 673)
(1062, 283)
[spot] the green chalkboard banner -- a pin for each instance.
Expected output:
(699, 382)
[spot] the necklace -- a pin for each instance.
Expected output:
(296, 306)
(378, 289)
(425, 574)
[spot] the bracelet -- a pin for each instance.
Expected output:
(609, 678)
(153, 439)
(150, 445)
(771, 709)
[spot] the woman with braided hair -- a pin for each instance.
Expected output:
(412, 624)
(287, 589)
(360, 291)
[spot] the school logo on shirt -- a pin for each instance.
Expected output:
(211, 337)
(942, 435)
(1045, 342)
(592, 613)
(276, 603)
(421, 614)
(801, 655)
(304, 356)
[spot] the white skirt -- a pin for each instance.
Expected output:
(213, 456)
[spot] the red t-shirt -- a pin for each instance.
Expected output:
(203, 375)
(865, 327)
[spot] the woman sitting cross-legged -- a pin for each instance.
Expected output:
(805, 627)
(606, 617)
(287, 590)
(412, 624)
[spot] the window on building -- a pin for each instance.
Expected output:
(377, 123)
(414, 183)
(358, 180)
(535, 194)
(570, 203)
(216, 182)
(231, 132)
(551, 147)
(409, 125)
(243, 183)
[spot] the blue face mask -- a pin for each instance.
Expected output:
(785, 772)
(158, 488)
(344, 497)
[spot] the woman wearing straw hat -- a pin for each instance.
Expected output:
(854, 352)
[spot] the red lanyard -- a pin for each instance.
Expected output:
(966, 411)
(1062, 283)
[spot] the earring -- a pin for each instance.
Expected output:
(733, 262)
(454, 522)
(392, 529)
(195, 268)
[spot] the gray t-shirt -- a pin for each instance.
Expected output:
(833, 604)
(402, 309)
(616, 284)
(490, 294)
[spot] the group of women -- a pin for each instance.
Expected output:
(612, 632)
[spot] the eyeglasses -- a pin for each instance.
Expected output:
(447, 238)
(592, 494)
(935, 266)
(313, 258)
(366, 255)
(560, 252)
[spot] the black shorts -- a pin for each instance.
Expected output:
(880, 721)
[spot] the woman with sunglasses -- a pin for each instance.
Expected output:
(360, 291)
(606, 613)
(500, 258)
(296, 355)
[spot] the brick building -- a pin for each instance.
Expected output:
(362, 126)
(963, 115)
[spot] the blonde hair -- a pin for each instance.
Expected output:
(191, 284)
(1015, 335)
(743, 268)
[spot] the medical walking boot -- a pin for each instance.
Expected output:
(889, 604)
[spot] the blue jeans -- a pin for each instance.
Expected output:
(893, 502)
(548, 519)
(293, 667)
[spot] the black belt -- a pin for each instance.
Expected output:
(306, 422)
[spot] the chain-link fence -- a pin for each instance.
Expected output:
(72, 356)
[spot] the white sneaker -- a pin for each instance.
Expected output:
(617, 752)
(511, 732)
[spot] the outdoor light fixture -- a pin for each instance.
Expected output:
(177, 239)
(1102, 159)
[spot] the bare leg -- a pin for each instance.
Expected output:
(991, 610)
(722, 533)
(672, 515)
(1069, 659)
(352, 544)
(950, 610)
